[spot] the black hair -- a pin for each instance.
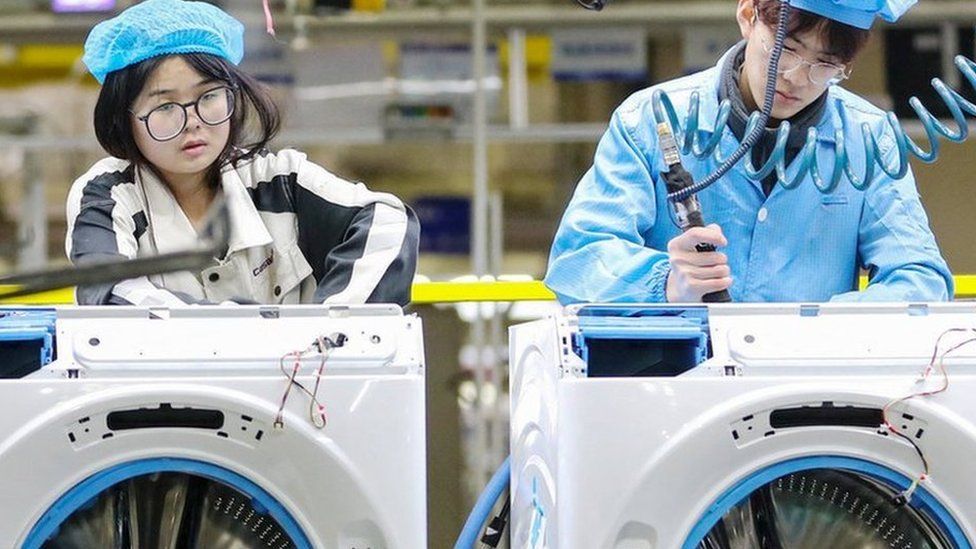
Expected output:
(255, 122)
(843, 41)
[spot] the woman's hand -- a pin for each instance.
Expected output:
(693, 273)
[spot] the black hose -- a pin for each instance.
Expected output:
(750, 140)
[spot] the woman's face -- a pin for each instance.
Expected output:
(198, 145)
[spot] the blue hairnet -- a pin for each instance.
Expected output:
(161, 27)
(856, 13)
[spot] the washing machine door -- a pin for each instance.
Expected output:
(824, 508)
(169, 510)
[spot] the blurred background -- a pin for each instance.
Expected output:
(482, 117)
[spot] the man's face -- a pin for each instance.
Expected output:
(795, 89)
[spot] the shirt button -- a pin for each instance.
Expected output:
(277, 290)
(763, 214)
(214, 277)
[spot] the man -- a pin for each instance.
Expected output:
(617, 240)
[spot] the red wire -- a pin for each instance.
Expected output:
(323, 346)
(925, 375)
(316, 410)
(279, 421)
(268, 20)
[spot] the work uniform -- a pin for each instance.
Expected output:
(792, 245)
(299, 234)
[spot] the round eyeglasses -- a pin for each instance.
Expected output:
(214, 106)
(821, 74)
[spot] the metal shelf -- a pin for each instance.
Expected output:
(46, 27)
(539, 133)
(535, 133)
(662, 15)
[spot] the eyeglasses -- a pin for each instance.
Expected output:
(821, 74)
(214, 106)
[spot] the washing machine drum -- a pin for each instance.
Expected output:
(824, 508)
(167, 511)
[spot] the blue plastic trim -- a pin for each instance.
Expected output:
(642, 323)
(25, 333)
(922, 499)
(641, 332)
(28, 325)
(538, 515)
(641, 327)
(645, 311)
(641, 320)
(85, 492)
(31, 334)
(27, 317)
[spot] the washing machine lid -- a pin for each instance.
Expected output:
(113, 342)
(871, 339)
(765, 339)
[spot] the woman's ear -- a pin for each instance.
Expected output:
(745, 15)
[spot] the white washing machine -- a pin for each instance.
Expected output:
(156, 428)
(743, 426)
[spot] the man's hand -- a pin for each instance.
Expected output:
(693, 273)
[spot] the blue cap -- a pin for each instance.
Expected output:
(162, 27)
(856, 13)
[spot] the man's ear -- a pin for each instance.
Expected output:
(745, 14)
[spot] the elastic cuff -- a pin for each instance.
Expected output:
(658, 283)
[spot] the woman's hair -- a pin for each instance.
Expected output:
(255, 121)
(842, 41)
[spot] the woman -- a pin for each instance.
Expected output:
(617, 241)
(184, 126)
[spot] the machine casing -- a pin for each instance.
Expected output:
(640, 462)
(358, 482)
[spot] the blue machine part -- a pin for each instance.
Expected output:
(698, 312)
(21, 325)
(659, 327)
(806, 162)
(85, 492)
(663, 327)
(921, 500)
(538, 516)
(492, 493)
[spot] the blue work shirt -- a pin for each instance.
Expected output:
(796, 245)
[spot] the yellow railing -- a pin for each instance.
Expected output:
(458, 292)
(53, 297)
(454, 292)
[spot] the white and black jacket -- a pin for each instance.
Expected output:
(299, 234)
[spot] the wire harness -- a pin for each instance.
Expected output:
(322, 346)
